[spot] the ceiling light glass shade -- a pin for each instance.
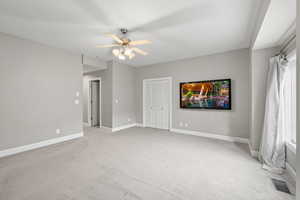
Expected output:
(116, 52)
(121, 57)
(131, 56)
(128, 51)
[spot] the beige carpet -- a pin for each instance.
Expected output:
(136, 164)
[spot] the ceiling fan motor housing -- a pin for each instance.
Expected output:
(124, 39)
(124, 30)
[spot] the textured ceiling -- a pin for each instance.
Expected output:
(178, 29)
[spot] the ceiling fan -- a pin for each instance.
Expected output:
(124, 47)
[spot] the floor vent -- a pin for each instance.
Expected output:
(281, 186)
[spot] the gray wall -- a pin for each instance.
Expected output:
(106, 94)
(38, 87)
(118, 94)
(124, 95)
(259, 69)
(234, 65)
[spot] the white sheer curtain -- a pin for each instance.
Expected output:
(292, 87)
(277, 116)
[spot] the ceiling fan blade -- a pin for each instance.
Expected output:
(116, 38)
(108, 45)
(139, 42)
(139, 51)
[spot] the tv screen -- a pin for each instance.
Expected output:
(212, 94)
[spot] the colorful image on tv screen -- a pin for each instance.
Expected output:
(206, 94)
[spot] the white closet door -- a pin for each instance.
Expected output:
(157, 104)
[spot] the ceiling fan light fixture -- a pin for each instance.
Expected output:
(122, 57)
(116, 52)
(132, 55)
(128, 51)
(123, 47)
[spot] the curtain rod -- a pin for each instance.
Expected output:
(286, 44)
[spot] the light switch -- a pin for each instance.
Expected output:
(57, 131)
(77, 94)
(117, 101)
(76, 101)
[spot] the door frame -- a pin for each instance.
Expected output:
(89, 101)
(170, 80)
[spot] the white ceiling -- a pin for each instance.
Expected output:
(179, 29)
(278, 24)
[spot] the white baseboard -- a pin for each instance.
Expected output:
(253, 152)
(123, 127)
(139, 125)
(86, 124)
(290, 171)
(37, 145)
(211, 135)
(105, 127)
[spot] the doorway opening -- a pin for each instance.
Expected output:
(94, 103)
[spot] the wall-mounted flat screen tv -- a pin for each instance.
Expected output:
(212, 94)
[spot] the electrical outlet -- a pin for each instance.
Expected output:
(117, 101)
(129, 120)
(76, 101)
(186, 124)
(57, 131)
(181, 124)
